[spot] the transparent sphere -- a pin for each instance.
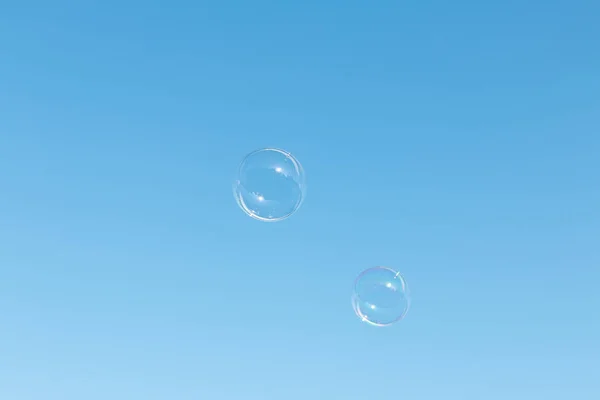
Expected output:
(380, 296)
(270, 185)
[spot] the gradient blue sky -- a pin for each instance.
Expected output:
(457, 142)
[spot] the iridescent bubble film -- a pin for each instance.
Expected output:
(380, 296)
(270, 185)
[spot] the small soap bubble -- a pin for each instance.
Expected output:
(380, 296)
(270, 185)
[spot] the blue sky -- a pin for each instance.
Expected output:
(456, 142)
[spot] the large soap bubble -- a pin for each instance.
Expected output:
(270, 185)
(380, 296)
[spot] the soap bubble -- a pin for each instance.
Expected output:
(270, 185)
(380, 296)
